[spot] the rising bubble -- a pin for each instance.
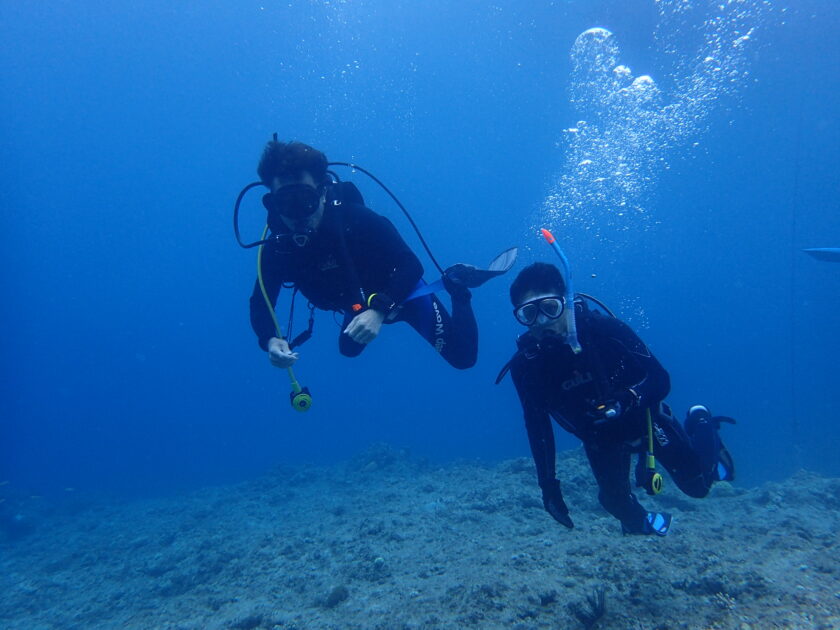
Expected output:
(615, 154)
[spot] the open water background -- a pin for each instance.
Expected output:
(127, 131)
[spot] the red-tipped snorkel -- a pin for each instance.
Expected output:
(571, 327)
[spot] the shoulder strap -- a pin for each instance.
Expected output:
(340, 193)
(507, 366)
(585, 306)
(351, 267)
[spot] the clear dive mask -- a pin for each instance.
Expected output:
(551, 306)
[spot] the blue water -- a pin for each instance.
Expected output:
(128, 361)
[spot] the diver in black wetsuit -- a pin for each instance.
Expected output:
(601, 396)
(343, 257)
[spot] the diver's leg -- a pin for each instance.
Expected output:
(610, 463)
(689, 460)
(703, 430)
(346, 345)
(464, 329)
(455, 337)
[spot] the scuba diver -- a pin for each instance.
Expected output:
(580, 365)
(343, 257)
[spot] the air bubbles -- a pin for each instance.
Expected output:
(615, 156)
(742, 40)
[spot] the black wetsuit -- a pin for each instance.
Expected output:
(353, 254)
(552, 381)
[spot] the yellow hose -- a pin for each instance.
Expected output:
(656, 481)
(295, 385)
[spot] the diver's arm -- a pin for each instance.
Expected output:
(261, 320)
(541, 440)
(538, 426)
(379, 237)
(655, 383)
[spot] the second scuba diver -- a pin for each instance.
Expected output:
(606, 388)
(343, 257)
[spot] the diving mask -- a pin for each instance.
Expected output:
(295, 201)
(551, 306)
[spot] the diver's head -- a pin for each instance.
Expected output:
(537, 295)
(296, 201)
(297, 176)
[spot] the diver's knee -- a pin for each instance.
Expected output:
(464, 360)
(698, 493)
(697, 488)
(464, 364)
(350, 348)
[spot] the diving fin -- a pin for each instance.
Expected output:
(468, 276)
(472, 277)
(725, 469)
(503, 262)
(657, 523)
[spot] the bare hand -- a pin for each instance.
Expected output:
(365, 326)
(280, 354)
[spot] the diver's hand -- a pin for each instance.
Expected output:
(365, 326)
(280, 354)
(554, 504)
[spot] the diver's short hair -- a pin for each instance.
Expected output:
(291, 159)
(539, 277)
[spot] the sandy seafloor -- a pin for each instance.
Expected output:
(385, 541)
